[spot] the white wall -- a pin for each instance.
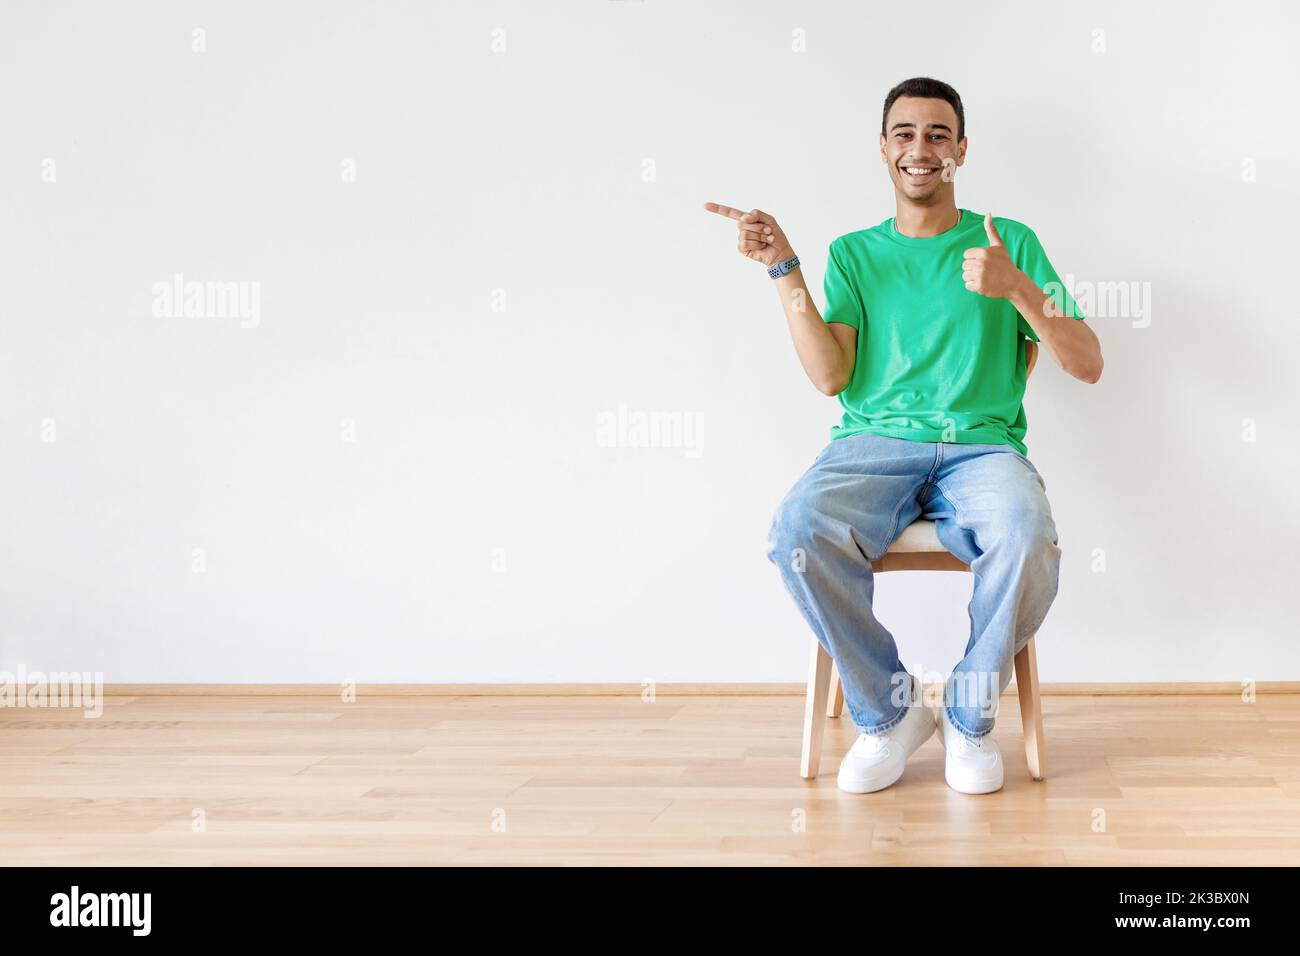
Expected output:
(523, 170)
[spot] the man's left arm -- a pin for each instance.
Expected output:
(1074, 346)
(1071, 342)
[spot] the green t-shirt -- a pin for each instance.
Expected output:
(935, 361)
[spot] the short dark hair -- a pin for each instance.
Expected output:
(929, 89)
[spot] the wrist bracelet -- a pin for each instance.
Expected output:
(784, 268)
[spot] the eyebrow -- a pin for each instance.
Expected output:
(942, 126)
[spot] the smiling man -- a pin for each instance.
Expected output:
(924, 341)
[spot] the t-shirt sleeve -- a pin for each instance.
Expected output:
(1034, 263)
(843, 303)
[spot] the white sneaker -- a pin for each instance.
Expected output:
(969, 766)
(876, 760)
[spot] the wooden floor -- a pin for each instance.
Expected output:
(613, 780)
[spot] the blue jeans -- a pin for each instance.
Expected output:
(990, 509)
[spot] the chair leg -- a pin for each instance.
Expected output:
(1031, 710)
(814, 719)
(836, 696)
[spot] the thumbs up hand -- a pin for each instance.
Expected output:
(989, 270)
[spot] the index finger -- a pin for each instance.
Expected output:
(722, 210)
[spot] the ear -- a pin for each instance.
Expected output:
(961, 152)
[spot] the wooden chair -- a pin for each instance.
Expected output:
(918, 549)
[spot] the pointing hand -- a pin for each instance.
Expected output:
(759, 237)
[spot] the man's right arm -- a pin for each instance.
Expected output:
(826, 350)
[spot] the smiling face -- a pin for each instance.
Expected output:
(920, 139)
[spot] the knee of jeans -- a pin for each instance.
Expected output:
(1029, 536)
(790, 536)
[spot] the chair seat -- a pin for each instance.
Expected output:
(918, 537)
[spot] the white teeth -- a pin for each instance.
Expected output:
(916, 170)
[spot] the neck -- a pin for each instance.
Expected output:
(922, 221)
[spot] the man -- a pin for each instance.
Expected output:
(923, 340)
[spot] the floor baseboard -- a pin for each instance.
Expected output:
(1173, 688)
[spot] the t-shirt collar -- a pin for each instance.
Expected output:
(962, 225)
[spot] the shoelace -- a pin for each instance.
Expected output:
(875, 742)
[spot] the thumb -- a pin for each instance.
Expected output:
(994, 238)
